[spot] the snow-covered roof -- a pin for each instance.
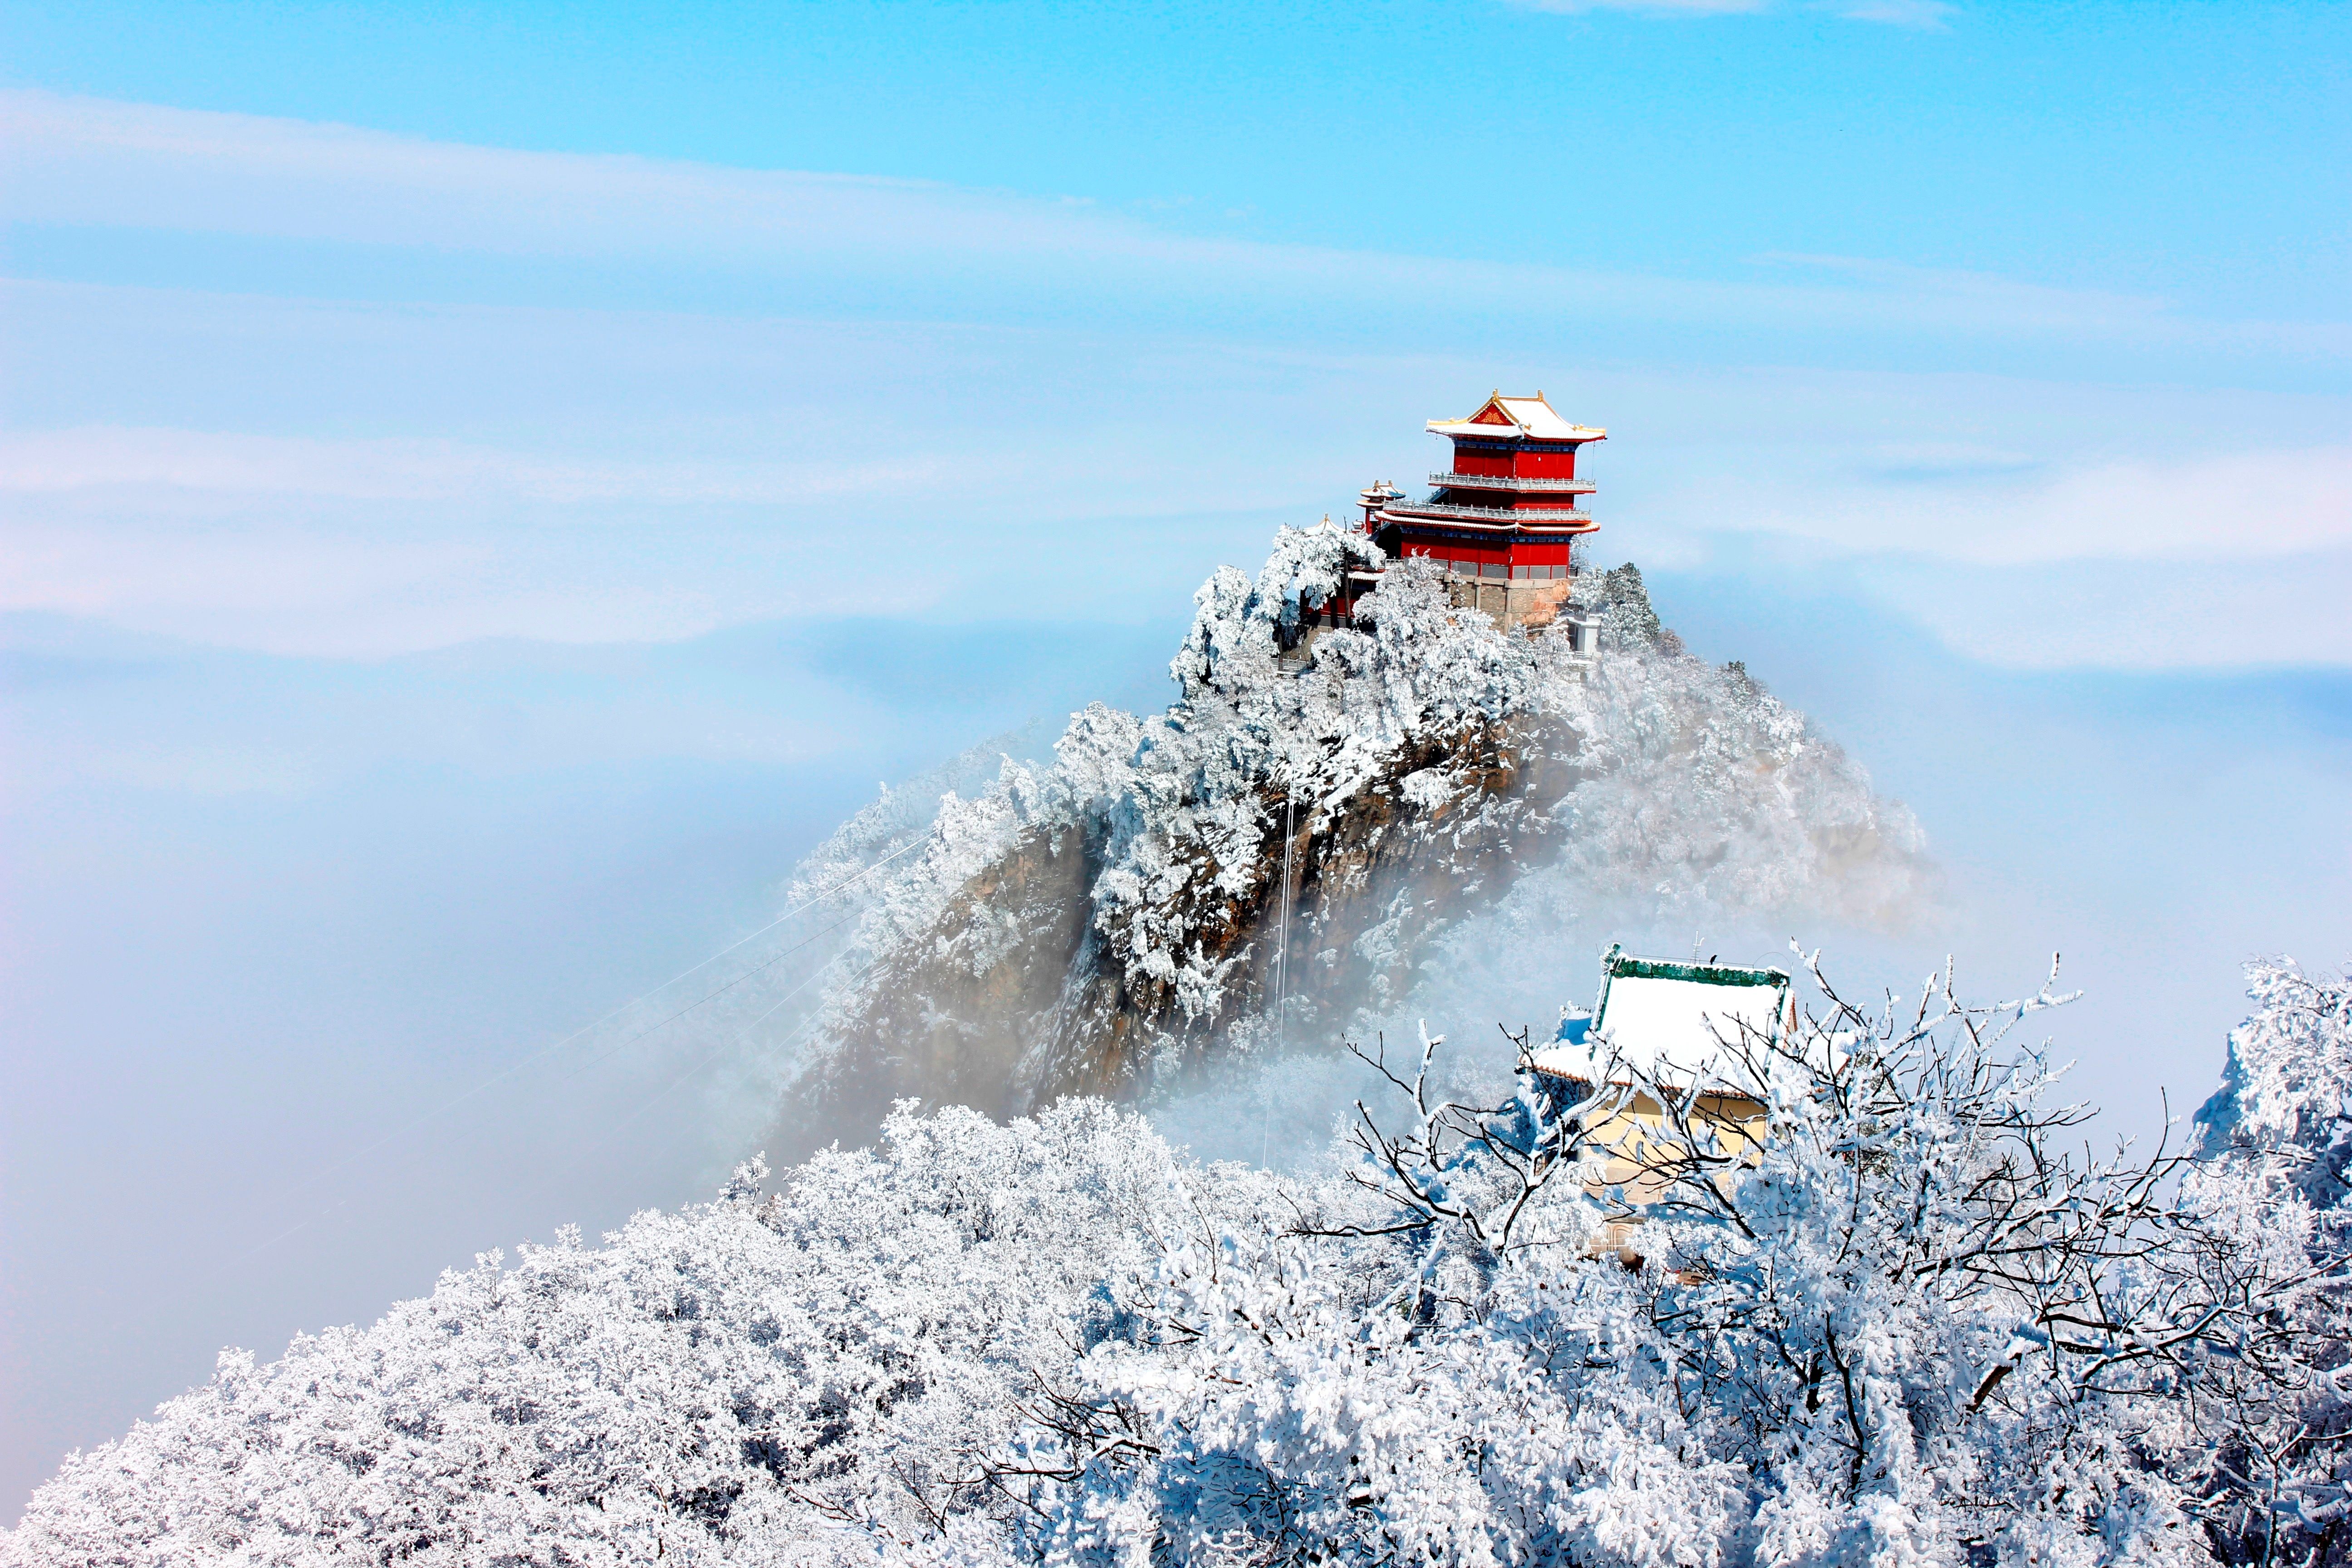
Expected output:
(1517, 418)
(1665, 1019)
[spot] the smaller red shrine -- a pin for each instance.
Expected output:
(1504, 515)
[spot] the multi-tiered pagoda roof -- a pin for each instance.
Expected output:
(1509, 499)
(1502, 519)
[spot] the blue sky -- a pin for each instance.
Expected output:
(525, 322)
(481, 488)
(2186, 151)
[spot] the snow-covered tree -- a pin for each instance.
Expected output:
(1917, 1325)
(2271, 1197)
(1914, 1328)
(811, 1377)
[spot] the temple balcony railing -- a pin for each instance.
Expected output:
(1552, 516)
(1512, 483)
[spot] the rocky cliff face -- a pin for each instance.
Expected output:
(1273, 855)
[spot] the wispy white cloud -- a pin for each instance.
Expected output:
(1998, 509)
(1957, 294)
(375, 478)
(1930, 15)
(640, 476)
(107, 457)
(2224, 611)
(935, 249)
(310, 578)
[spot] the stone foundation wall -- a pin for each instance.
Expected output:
(1512, 602)
(1508, 602)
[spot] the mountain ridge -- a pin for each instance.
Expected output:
(1110, 920)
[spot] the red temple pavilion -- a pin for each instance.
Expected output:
(1503, 516)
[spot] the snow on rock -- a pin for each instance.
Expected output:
(1102, 921)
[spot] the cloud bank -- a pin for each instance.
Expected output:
(427, 412)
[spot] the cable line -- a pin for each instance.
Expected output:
(690, 1006)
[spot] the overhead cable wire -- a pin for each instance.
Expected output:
(743, 1039)
(710, 996)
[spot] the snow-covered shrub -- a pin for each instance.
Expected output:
(805, 1378)
(1418, 1360)
(1916, 1329)
(1628, 620)
(2286, 1090)
(1921, 1327)
(1697, 790)
(2272, 1196)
